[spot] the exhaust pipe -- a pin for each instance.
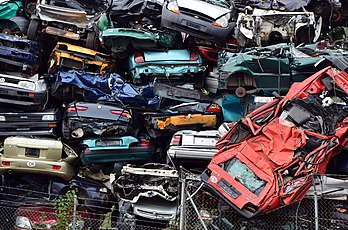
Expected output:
(77, 133)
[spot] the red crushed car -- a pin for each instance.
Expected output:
(267, 159)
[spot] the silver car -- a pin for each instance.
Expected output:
(205, 19)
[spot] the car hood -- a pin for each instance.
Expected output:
(208, 9)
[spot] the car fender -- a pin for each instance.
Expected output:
(21, 22)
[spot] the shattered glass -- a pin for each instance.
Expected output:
(241, 173)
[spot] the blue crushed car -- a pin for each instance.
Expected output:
(17, 54)
(172, 64)
(74, 84)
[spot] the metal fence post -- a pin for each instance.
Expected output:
(74, 214)
(316, 211)
(182, 201)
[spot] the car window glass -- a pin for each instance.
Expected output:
(222, 3)
(297, 53)
(243, 174)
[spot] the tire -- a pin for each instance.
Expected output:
(91, 40)
(33, 30)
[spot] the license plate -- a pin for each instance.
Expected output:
(107, 143)
(205, 141)
(32, 152)
(193, 25)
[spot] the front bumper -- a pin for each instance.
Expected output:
(178, 122)
(192, 154)
(195, 27)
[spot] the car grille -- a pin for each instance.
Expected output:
(196, 14)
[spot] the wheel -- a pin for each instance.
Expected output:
(240, 92)
(91, 40)
(33, 30)
(6, 31)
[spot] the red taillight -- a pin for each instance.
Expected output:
(139, 57)
(31, 94)
(6, 163)
(193, 56)
(176, 140)
(56, 167)
(144, 143)
(120, 113)
(76, 108)
(214, 108)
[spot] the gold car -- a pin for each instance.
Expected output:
(69, 56)
(42, 156)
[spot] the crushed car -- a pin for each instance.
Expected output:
(38, 155)
(24, 92)
(117, 149)
(139, 36)
(267, 159)
(14, 122)
(84, 119)
(73, 85)
(151, 189)
(209, 20)
(268, 27)
(72, 20)
(172, 64)
(19, 54)
(38, 189)
(270, 68)
(193, 115)
(189, 145)
(67, 56)
(14, 18)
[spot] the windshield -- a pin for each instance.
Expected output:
(222, 3)
(90, 6)
(241, 173)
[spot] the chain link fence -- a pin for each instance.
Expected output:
(202, 210)
(197, 209)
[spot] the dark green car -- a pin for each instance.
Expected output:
(271, 68)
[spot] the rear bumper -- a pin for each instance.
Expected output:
(19, 97)
(191, 154)
(32, 165)
(134, 153)
(180, 121)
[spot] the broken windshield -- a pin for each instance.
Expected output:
(241, 173)
(222, 3)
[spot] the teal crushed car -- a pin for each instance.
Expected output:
(137, 37)
(270, 68)
(172, 64)
(13, 18)
(116, 149)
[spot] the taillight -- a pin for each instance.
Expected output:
(120, 113)
(56, 167)
(144, 143)
(193, 56)
(76, 108)
(139, 57)
(6, 163)
(176, 140)
(214, 108)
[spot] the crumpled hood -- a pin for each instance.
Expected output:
(210, 10)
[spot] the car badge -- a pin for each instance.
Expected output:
(31, 164)
(99, 107)
(213, 179)
(2, 80)
(196, 16)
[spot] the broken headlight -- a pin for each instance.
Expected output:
(23, 222)
(173, 6)
(223, 21)
(27, 85)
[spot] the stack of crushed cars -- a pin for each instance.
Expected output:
(112, 96)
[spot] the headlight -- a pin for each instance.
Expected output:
(222, 21)
(45, 117)
(23, 222)
(173, 6)
(2, 118)
(27, 84)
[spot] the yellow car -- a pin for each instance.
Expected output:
(69, 56)
(41, 156)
